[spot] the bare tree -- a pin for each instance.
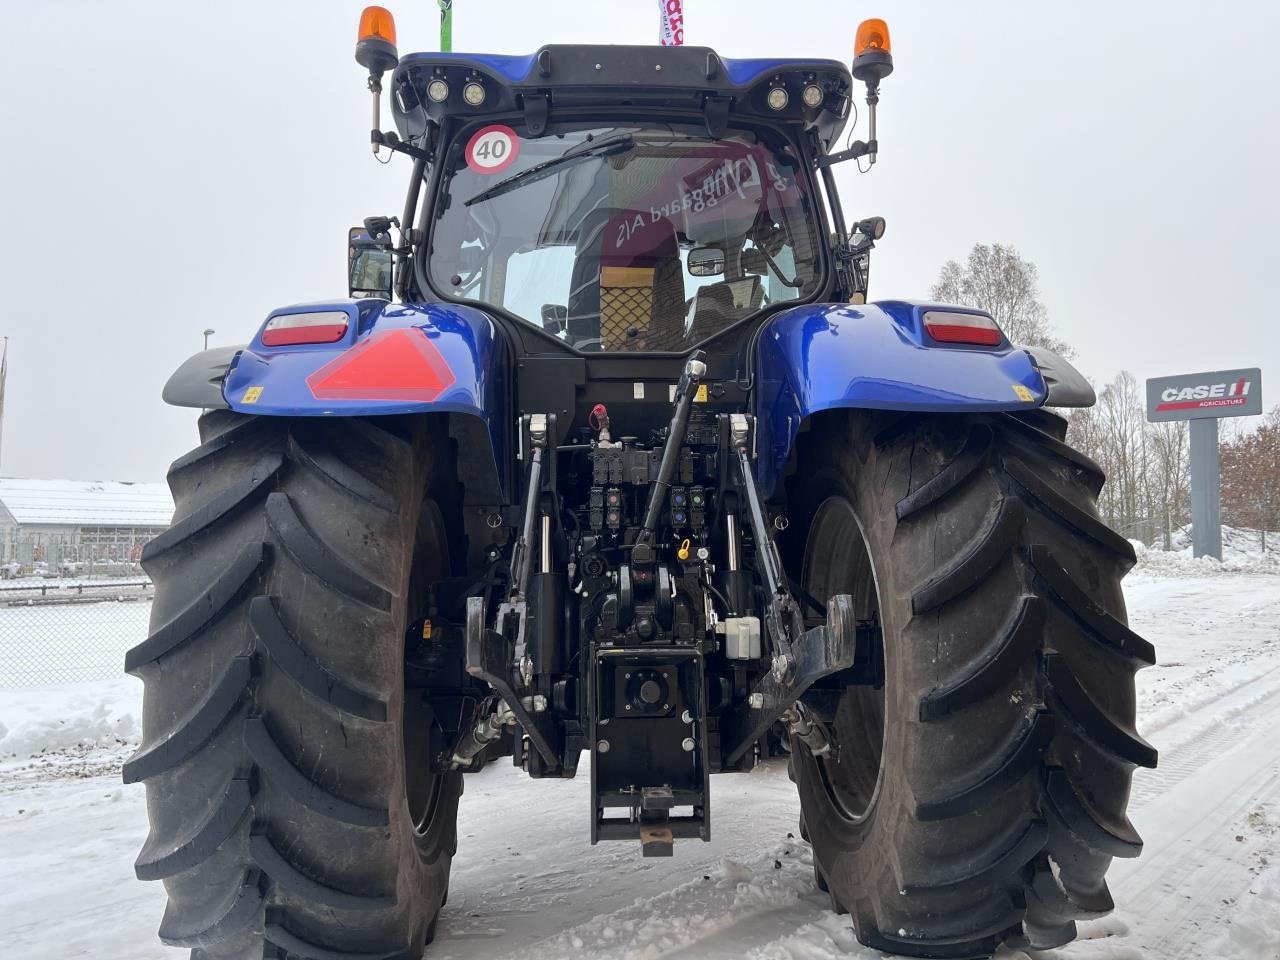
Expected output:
(996, 279)
(1147, 494)
(1121, 416)
(1169, 483)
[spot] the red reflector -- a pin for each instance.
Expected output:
(973, 328)
(328, 326)
(390, 365)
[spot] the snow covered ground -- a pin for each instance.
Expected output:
(1207, 887)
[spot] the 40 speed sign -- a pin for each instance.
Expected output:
(492, 149)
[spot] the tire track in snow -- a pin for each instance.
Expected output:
(1234, 717)
(1180, 891)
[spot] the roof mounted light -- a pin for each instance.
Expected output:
(872, 59)
(778, 98)
(812, 96)
(376, 41)
(873, 34)
(872, 62)
(376, 52)
(438, 91)
(473, 93)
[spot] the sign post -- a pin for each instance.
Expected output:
(1204, 398)
(1206, 489)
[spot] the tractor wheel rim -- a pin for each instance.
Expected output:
(422, 786)
(837, 560)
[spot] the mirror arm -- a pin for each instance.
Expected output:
(859, 149)
(391, 140)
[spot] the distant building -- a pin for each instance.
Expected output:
(57, 521)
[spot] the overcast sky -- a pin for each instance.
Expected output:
(169, 167)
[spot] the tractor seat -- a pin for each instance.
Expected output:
(641, 284)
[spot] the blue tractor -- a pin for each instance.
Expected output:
(609, 463)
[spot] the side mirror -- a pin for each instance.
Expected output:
(369, 264)
(705, 262)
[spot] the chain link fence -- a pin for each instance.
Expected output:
(69, 630)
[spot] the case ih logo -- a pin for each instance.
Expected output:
(1195, 396)
(1234, 394)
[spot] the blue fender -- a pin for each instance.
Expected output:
(875, 356)
(393, 359)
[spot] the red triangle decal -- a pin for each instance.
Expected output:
(398, 364)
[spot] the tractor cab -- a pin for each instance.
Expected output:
(621, 199)
(625, 237)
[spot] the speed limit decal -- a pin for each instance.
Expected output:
(492, 149)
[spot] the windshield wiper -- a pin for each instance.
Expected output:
(540, 171)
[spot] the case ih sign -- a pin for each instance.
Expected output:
(1226, 393)
(1203, 398)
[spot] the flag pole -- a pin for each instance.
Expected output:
(446, 25)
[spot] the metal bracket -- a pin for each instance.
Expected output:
(715, 113)
(537, 110)
(487, 660)
(821, 652)
(859, 149)
(391, 140)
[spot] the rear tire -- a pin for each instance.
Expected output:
(979, 796)
(293, 809)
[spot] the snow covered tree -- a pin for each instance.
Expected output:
(996, 279)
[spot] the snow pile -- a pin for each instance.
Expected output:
(70, 718)
(1236, 542)
(1241, 553)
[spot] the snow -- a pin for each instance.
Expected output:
(1237, 542)
(87, 502)
(1241, 553)
(526, 884)
(73, 718)
(1255, 931)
